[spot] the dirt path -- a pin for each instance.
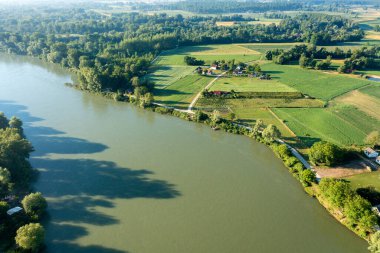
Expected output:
(191, 106)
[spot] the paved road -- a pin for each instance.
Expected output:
(190, 108)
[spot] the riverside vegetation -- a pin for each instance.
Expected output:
(19, 232)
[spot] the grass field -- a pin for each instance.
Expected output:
(181, 92)
(364, 102)
(265, 21)
(249, 116)
(164, 76)
(254, 103)
(314, 83)
(373, 91)
(365, 180)
(263, 47)
(208, 53)
(241, 84)
(343, 125)
(225, 23)
(373, 35)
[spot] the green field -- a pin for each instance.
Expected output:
(373, 91)
(247, 84)
(314, 83)
(180, 93)
(249, 116)
(263, 47)
(211, 103)
(354, 45)
(343, 125)
(208, 53)
(366, 180)
(164, 76)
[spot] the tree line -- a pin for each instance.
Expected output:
(21, 230)
(311, 56)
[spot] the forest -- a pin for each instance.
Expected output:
(113, 53)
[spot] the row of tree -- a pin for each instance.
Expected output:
(15, 175)
(311, 55)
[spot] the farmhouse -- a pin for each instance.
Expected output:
(214, 67)
(378, 160)
(14, 210)
(369, 152)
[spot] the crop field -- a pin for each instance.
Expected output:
(208, 53)
(164, 76)
(249, 116)
(241, 84)
(373, 35)
(354, 45)
(314, 83)
(373, 90)
(180, 93)
(225, 23)
(365, 180)
(211, 103)
(265, 21)
(263, 47)
(344, 126)
(358, 118)
(365, 103)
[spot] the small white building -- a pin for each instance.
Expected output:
(14, 210)
(378, 160)
(370, 153)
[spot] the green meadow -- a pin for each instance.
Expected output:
(343, 125)
(314, 83)
(246, 84)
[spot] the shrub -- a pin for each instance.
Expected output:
(30, 236)
(325, 153)
(290, 161)
(307, 177)
(34, 205)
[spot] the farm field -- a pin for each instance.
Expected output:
(263, 47)
(373, 35)
(365, 180)
(264, 21)
(177, 85)
(354, 45)
(164, 76)
(244, 84)
(225, 23)
(314, 83)
(365, 103)
(343, 125)
(208, 53)
(249, 116)
(180, 93)
(373, 91)
(210, 104)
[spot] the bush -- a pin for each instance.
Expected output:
(307, 177)
(34, 205)
(30, 236)
(283, 151)
(199, 116)
(325, 153)
(290, 161)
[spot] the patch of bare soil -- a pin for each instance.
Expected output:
(346, 170)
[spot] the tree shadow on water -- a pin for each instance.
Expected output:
(79, 189)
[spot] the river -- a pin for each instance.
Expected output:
(122, 179)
